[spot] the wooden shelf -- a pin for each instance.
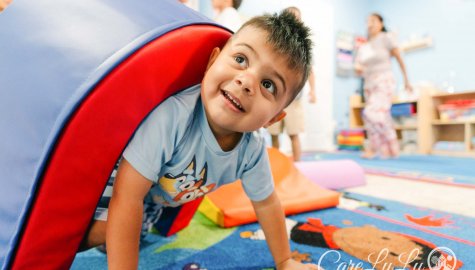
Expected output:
(421, 125)
(457, 95)
(430, 129)
(405, 127)
(396, 127)
(404, 101)
(417, 44)
(460, 130)
(452, 122)
(361, 105)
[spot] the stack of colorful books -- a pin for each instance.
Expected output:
(351, 139)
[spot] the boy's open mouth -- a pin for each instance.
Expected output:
(233, 100)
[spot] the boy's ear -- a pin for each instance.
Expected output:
(213, 56)
(276, 119)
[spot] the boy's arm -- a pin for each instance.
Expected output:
(124, 220)
(271, 217)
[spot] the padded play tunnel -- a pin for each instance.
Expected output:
(76, 80)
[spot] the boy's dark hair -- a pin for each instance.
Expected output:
(237, 3)
(289, 37)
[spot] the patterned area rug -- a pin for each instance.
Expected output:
(363, 232)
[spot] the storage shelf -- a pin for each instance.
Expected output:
(456, 130)
(361, 105)
(419, 124)
(428, 125)
(405, 127)
(404, 101)
(452, 122)
(454, 95)
(396, 127)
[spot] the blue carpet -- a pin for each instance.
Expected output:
(209, 247)
(440, 169)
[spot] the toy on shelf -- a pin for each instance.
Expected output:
(351, 139)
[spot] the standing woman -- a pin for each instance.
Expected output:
(373, 63)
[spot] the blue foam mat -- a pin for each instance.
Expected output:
(443, 169)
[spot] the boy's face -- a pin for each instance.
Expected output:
(247, 84)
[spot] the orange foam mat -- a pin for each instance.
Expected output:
(229, 206)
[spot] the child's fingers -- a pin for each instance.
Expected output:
(314, 267)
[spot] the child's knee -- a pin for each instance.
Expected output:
(95, 236)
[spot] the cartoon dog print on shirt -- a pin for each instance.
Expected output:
(184, 187)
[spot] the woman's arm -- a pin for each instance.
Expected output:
(124, 220)
(358, 67)
(395, 52)
(311, 83)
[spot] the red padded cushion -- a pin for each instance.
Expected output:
(96, 135)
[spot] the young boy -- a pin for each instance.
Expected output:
(203, 137)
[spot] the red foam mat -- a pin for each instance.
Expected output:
(96, 135)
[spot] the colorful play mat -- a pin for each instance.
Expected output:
(360, 230)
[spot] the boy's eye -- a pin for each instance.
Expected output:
(268, 85)
(240, 60)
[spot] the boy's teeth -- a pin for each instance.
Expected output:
(232, 99)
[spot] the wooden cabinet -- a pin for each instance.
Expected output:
(460, 130)
(431, 129)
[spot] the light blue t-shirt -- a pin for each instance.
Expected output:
(175, 148)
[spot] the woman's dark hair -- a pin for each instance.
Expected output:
(237, 3)
(380, 18)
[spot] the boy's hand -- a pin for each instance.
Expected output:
(292, 264)
(271, 217)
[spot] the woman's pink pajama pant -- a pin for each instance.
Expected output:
(377, 115)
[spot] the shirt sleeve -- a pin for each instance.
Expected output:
(153, 143)
(391, 41)
(257, 179)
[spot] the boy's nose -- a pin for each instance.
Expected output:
(247, 82)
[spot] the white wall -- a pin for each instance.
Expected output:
(319, 16)
(451, 25)
(319, 128)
